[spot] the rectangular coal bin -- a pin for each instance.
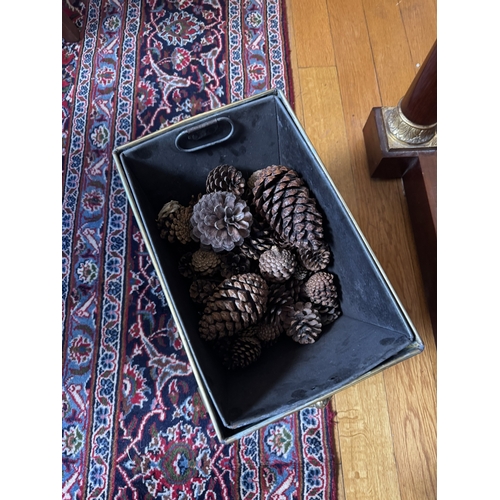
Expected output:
(373, 333)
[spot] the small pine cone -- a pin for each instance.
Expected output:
(185, 266)
(266, 333)
(225, 178)
(280, 303)
(200, 290)
(236, 303)
(242, 352)
(277, 265)
(234, 263)
(320, 289)
(328, 314)
(301, 273)
(164, 214)
(305, 327)
(178, 225)
(282, 198)
(205, 262)
(314, 260)
(221, 220)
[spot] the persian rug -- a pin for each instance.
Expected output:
(133, 423)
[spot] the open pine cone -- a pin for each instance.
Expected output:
(305, 327)
(221, 220)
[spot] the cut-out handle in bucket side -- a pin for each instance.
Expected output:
(205, 134)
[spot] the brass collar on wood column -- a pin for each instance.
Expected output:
(403, 134)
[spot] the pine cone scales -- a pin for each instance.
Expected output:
(225, 178)
(221, 220)
(314, 260)
(280, 310)
(277, 265)
(305, 327)
(320, 289)
(283, 199)
(234, 263)
(242, 352)
(205, 262)
(235, 304)
(200, 290)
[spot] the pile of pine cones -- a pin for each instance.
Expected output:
(255, 253)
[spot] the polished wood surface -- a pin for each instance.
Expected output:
(419, 104)
(347, 58)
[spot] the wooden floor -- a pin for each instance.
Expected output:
(347, 57)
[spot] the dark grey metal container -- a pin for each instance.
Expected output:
(373, 333)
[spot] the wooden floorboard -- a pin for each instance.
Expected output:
(348, 57)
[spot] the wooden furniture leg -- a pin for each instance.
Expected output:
(401, 142)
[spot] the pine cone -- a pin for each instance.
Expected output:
(314, 260)
(301, 273)
(221, 220)
(205, 262)
(283, 199)
(280, 302)
(320, 289)
(234, 263)
(201, 289)
(163, 215)
(178, 225)
(225, 178)
(266, 333)
(242, 352)
(261, 238)
(305, 327)
(277, 265)
(236, 303)
(328, 314)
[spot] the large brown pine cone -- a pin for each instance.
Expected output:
(225, 178)
(236, 303)
(305, 327)
(221, 220)
(277, 265)
(282, 198)
(242, 352)
(320, 289)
